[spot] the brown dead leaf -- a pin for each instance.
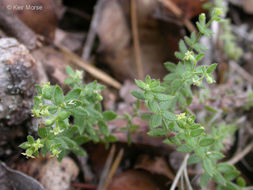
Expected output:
(133, 180)
(156, 165)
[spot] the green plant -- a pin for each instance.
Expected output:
(168, 102)
(57, 133)
(180, 128)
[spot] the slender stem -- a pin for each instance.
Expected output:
(187, 179)
(182, 182)
(179, 173)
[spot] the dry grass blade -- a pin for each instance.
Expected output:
(108, 164)
(136, 41)
(113, 168)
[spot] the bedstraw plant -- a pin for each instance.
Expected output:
(68, 121)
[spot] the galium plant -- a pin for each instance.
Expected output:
(68, 121)
(58, 133)
(180, 127)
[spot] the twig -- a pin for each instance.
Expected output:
(179, 13)
(106, 169)
(241, 154)
(92, 31)
(179, 173)
(95, 72)
(13, 26)
(244, 74)
(136, 42)
(113, 168)
(84, 186)
(79, 13)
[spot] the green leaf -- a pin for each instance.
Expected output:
(70, 71)
(189, 41)
(170, 77)
(241, 182)
(199, 48)
(225, 168)
(197, 132)
(81, 139)
(182, 47)
(37, 101)
(179, 55)
(79, 111)
(211, 68)
(204, 179)
(142, 85)
(232, 186)
(156, 120)
(169, 115)
(200, 56)
(218, 178)
(62, 115)
(153, 106)
(176, 84)
(208, 166)
(70, 143)
(58, 95)
(73, 94)
(145, 116)
(109, 115)
(103, 128)
(157, 132)
(39, 89)
(215, 155)
(163, 97)
(170, 66)
(206, 141)
(231, 175)
(175, 140)
(47, 92)
(24, 145)
(184, 148)
(80, 152)
(138, 95)
(30, 139)
(52, 109)
(42, 131)
(193, 159)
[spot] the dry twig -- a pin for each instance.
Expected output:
(113, 168)
(106, 169)
(179, 13)
(136, 41)
(244, 74)
(241, 154)
(92, 31)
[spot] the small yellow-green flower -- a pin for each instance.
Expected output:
(181, 116)
(28, 153)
